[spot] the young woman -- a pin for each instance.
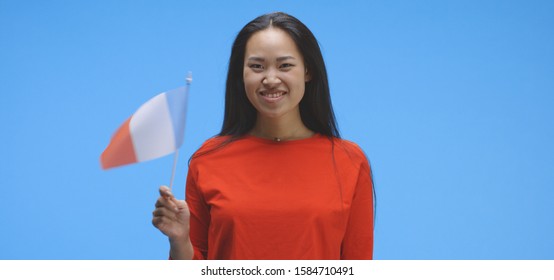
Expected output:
(277, 182)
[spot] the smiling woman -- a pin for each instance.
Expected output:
(278, 182)
(274, 80)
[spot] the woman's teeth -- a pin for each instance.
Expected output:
(273, 95)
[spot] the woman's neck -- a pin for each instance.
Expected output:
(280, 129)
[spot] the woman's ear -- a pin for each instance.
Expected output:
(307, 76)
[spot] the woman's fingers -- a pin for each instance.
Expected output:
(163, 211)
(164, 202)
(165, 192)
(180, 204)
(169, 203)
(167, 199)
(161, 223)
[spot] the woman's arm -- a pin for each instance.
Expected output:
(358, 240)
(181, 249)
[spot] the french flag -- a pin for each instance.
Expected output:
(156, 129)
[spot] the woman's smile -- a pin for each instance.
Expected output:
(272, 96)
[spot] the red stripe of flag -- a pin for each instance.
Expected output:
(120, 151)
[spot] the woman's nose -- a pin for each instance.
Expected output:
(271, 80)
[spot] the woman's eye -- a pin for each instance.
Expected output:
(286, 65)
(256, 66)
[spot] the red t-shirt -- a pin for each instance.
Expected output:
(260, 199)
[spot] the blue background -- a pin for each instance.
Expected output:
(451, 100)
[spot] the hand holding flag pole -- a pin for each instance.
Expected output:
(156, 129)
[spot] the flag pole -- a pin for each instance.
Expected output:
(175, 157)
(188, 80)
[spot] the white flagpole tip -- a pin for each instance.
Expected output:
(189, 78)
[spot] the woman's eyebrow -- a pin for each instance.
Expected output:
(285, 58)
(255, 58)
(261, 59)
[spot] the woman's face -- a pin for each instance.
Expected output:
(274, 74)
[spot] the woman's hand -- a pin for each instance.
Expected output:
(171, 216)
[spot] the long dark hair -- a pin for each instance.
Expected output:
(316, 109)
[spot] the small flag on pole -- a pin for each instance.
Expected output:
(156, 129)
